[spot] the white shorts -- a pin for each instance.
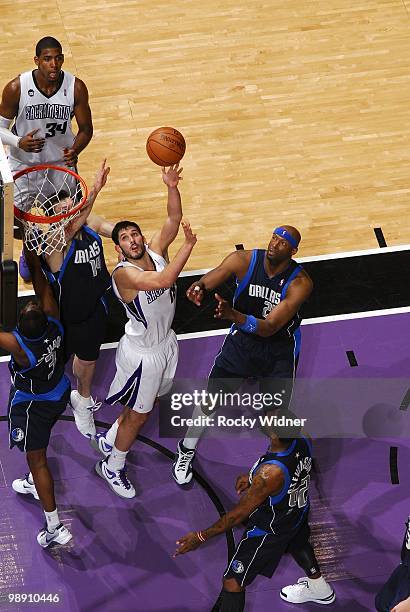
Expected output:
(143, 374)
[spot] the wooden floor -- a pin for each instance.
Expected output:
(295, 112)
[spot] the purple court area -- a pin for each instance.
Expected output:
(121, 555)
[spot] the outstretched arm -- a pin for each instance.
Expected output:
(298, 292)
(131, 278)
(267, 481)
(100, 225)
(235, 263)
(100, 180)
(41, 286)
(161, 240)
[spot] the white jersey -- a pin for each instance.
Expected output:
(51, 115)
(151, 313)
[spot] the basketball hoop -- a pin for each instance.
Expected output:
(46, 199)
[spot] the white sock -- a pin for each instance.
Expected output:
(30, 479)
(116, 460)
(87, 401)
(52, 520)
(194, 432)
(112, 433)
(319, 584)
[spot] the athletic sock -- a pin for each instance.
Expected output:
(116, 461)
(319, 584)
(194, 432)
(30, 479)
(112, 433)
(52, 520)
(87, 401)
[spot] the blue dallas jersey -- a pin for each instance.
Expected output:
(257, 294)
(45, 374)
(283, 512)
(83, 279)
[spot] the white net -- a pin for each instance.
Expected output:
(43, 195)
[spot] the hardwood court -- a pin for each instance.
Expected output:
(294, 113)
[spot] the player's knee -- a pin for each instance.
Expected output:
(81, 363)
(37, 459)
(232, 586)
(136, 418)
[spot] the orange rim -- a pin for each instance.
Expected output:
(26, 216)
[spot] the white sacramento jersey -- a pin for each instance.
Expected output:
(150, 314)
(51, 115)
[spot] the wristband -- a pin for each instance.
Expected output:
(250, 325)
(200, 536)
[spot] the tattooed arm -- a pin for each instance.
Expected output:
(268, 480)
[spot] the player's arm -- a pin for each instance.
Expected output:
(41, 286)
(100, 180)
(100, 225)
(268, 480)
(8, 342)
(298, 292)
(82, 113)
(235, 263)
(8, 111)
(161, 240)
(128, 278)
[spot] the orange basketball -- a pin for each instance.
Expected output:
(165, 146)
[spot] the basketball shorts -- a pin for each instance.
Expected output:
(243, 357)
(31, 421)
(143, 374)
(84, 339)
(260, 555)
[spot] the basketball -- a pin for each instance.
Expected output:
(165, 146)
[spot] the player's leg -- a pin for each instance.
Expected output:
(253, 556)
(36, 420)
(84, 341)
(312, 587)
(136, 384)
(219, 381)
(231, 598)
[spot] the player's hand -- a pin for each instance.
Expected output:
(195, 293)
(190, 237)
(172, 176)
(242, 483)
(70, 157)
(402, 606)
(101, 176)
(223, 309)
(187, 543)
(30, 143)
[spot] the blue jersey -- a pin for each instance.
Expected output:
(44, 378)
(283, 512)
(257, 294)
(83, 279)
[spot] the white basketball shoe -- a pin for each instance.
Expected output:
(60, 535)
(117, 480)
(99, 443)
(24, 486)
(306, 590)
(83, 414)
(182, 466)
